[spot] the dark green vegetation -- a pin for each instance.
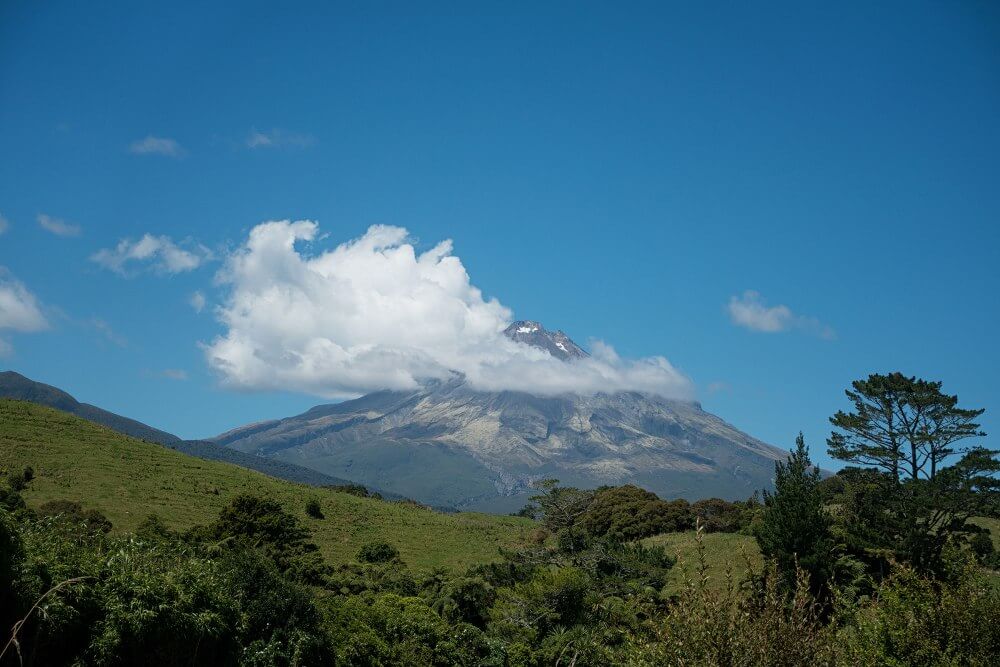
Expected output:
(252, 580)
(16, 386)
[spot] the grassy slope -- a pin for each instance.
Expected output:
(722, 550)
(127, 479)
(726, 549)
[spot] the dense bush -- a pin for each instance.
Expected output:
(721, 516)
(630, 513)
(313, 508)
(68, 510)
(251, 589)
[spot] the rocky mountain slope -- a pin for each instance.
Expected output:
(449, 445)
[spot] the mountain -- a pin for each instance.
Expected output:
(16, 386)
(555, 343)
(447, 444)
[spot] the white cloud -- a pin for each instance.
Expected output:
(160, 252)
(151, 145)
(57, 226)
(19, 309)
(373, 314)
(4, 224)
(278, 139)
(751, 311)
(174, 374)
(197, 301)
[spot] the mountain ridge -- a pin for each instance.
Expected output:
(15, 386)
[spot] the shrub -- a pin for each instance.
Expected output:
(262, 523)
(68, 510)
(377, 552)
(313, 508)
(721, 516)
(630, 513)
(982, 546)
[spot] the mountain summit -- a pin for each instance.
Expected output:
(556, 343)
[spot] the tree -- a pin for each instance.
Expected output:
(795, 528)
(630, 513)
(561, 506)
(902, 425)
(908, 505)
(264, 524)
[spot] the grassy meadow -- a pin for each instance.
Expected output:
(128, 479)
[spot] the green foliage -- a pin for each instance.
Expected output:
(630, 513)
(377, 552)
(721, 516)
(124, 479)
(982, 546)
(765, 624)
(123, 600)
(358, 490)
(794, 531)
(68, 510)
(313, 509)
(263, 524)
(902, 425)
(918, 622)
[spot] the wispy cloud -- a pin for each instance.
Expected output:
(57, 226)
(718, 387)
(751, 311)
(4, 224)
(158, 252)
(174, 374)
(197, 301)
(106, 331)
(277, 138)
(151, 145)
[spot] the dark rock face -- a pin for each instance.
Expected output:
(556, 343)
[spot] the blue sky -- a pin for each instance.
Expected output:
(621, 174)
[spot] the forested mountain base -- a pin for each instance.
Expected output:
(863, 568)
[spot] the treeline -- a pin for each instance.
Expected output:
(873, 566)
(630, 513)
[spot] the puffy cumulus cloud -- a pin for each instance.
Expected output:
(373, 313)
(151, 145)
(751, 311)
(158, 252)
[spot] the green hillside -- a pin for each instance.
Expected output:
(128, 479)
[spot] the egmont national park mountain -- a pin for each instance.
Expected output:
(449, 445)
(499, 334)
